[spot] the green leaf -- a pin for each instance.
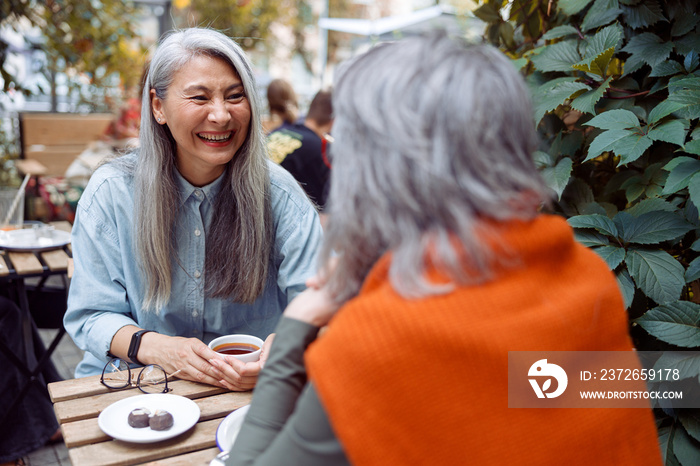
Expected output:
(488, 12)
(688, 364)
(672, 131)
(597, 65)
(631, 148)
(656, 273)
(663, 109)
(665, 436)
(666, 68)
(542, 159)
(675, 323)
(684, 449)
(649, 47)
(601, 223)
(691, 424)
(680, 175)
(555, 93)
(650, 205)
(615, 119)
(683, 24)
(612, 255)
(677, 161)
(693, 271)
(654, 227)
(627, 288)
(519, 63)
(607, 37)
(686, 91)
(605, 142)
(557, 177)
(590, 238)
(586, 102)
(694, 189)
(601, 13)
(696, 245)
(559, 32)
(557, 57)
(688, 43)
(571, 7)
(691, 61)
(647, 13)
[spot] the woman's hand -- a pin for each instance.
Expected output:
(313, 306)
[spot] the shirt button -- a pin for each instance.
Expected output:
(197, 274)
(197, 232)
(198, 193)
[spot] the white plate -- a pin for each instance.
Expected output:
(228, 429)
(114, 420)
(25, 239)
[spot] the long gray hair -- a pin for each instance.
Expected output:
(433, 139)
(239, 240)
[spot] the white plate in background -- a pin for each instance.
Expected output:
(228, 430)
(25, 239)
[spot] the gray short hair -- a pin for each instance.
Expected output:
(241, 231)
(433, 139)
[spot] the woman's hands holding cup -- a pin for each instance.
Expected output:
(197, 362)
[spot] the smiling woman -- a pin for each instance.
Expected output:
(195, 234)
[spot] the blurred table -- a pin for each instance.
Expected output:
(15, 268)
(78, 403)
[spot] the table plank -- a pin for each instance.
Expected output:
(25, 263)
(62, 225)
(91, 406)
(4, 267)
(87, 386)
(115, 452)
(201, 457)
(56, 260)
(87, 431)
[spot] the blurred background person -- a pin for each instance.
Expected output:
(196, 233)
(303, 149)
(282, 103)
(438, 263)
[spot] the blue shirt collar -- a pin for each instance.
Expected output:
(210, 191)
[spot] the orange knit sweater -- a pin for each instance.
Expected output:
(424, 381)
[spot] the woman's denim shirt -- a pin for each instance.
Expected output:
(108, 287)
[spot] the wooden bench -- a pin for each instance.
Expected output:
(54, 140)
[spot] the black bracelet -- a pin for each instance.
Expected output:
(135, 344)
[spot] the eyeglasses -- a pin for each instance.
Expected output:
(151, 379)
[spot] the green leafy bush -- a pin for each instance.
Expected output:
(616, 91)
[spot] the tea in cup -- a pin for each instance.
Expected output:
(243, 347)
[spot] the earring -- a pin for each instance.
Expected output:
(158, 120)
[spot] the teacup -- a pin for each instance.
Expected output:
(243, 347)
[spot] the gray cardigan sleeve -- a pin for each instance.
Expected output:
(286, 423)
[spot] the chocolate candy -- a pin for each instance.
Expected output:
(139, 418)
(161, 420)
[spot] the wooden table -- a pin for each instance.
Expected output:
(78, 402)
